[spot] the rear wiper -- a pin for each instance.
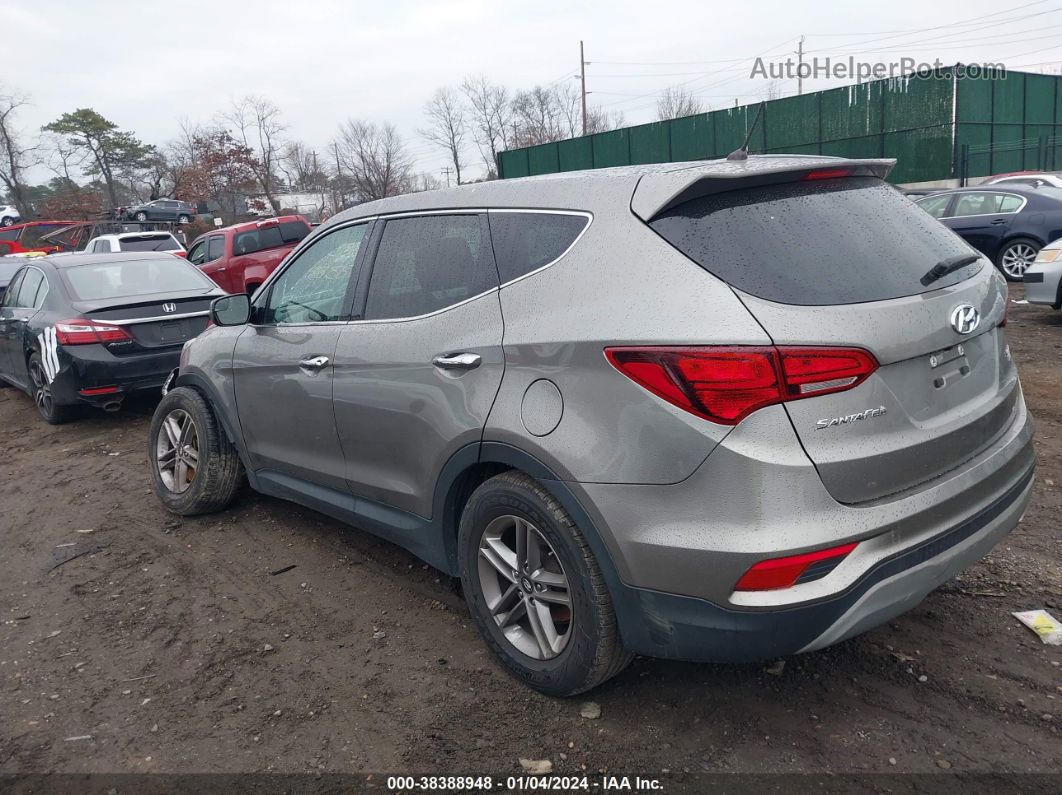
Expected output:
(946, 266)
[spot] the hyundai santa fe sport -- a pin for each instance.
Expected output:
(724, 411)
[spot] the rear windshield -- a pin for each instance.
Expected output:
(159, 243)
(130, 278)
(282, 234)
(836, 241)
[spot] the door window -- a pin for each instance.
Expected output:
(101, 246)
(935, 205)
(985, 204)
(32, 286)
(1010, 203)
(198, 253)
(215, 248)
(524, 242)
(11, 293)
(314, 288)
(427, 263)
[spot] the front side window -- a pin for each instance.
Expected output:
(427, 263)
(524, 242)
(9, 234)
(314, 288)
(215, 248)
(935, 205)
(31, 238)
(197, 254)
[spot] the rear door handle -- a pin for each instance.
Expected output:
(999, 221)
(316, 363)
(458, 361)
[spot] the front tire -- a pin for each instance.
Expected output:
(8, 221)
(140, 216)
(535, 590)
(183, 219)
(43, 396)
(1016, 256)
(194, 467)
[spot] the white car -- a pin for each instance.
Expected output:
(135, 241)
(1035, 179)
(9, 215)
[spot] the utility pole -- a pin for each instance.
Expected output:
(447, 171)
(582, 77)
(342, 199)
(800, 66)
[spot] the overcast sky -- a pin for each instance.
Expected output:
(146, 65)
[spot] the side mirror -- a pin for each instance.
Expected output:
(231, 310)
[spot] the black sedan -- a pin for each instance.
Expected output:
(1008, 224)
(89, 329)
(162, 210)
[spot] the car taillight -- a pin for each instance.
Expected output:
(79, 331)
(726, 384)
(828, 173)
(769, 575)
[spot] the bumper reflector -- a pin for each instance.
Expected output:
(99, 390)
(769, 575)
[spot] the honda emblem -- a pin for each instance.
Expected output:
(169, 307)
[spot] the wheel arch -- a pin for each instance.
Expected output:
(209, 393)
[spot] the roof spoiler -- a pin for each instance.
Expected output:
(659, 192)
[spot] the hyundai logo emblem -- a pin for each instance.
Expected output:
(965, 318)
(173, 308)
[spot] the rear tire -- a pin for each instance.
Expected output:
(140, 216)
(44, 398)
(194, 467)
(183, 219)
(1016, 256)
(558, 647)
(8, 221)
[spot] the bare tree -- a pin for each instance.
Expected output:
(15, 156)
(490, 118)
(545, 114)
(446, 124)
(374, 158)
(258, 125)
(677, 102)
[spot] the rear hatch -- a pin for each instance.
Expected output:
(830, 259)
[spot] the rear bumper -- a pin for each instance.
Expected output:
(93, 367)
(686, 628)
(678, 550)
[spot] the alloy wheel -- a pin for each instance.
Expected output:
(42, 390)
(1017, 259)
(525, 588)
(177, 451)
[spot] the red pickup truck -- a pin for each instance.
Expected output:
(240, 257)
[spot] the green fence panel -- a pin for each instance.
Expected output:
(791, 123)
(1008, 98)
(731, 128)
(611, 149)
(513, 163)
(650, 143)
(692, 138)
(974, 98)
(917, 101)
(975, 135)
(865, 146)
(1040, 98)
(543, 159)
(921, 155)
(851, 111)
(576, 154)
(1010, 159)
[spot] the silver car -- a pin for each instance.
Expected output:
(1043, 279)
(721, 410)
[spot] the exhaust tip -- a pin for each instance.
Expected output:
(113, 406)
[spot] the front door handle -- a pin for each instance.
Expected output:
(999, 221)
(316, 363)
(458, 361)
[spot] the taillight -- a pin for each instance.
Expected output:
(79, 331)
(828, 173)
(769, 575)
(726, 384)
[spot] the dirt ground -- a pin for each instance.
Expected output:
(177, 645)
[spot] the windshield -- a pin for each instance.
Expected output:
(832, 241)
(130, 278)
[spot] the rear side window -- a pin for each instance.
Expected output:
(427, 263)
(31, 238)
(524, 242)
(161, 243)
(836, 241)
(33, 286)
(9, 234)
(282, 234)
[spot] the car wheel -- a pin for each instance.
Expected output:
(43, 396)
(141, 216)
(7, 221)
(195, 468)
(535, 590)
(1016, 256)
(183, 219)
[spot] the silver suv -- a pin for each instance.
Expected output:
(710, 411)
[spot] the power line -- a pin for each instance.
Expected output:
(922, 30)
